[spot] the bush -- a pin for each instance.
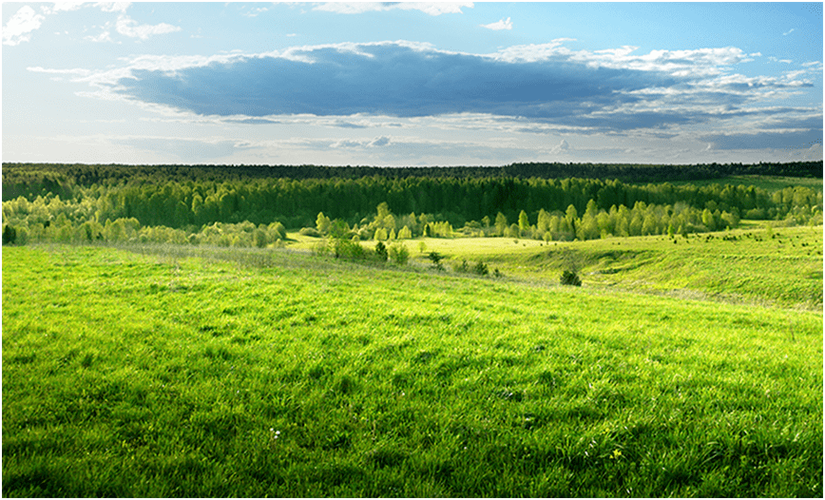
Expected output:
(399, 253)
(9, 235)
(570, 278)
(481, 269)
(347, 249)
(436, 258)
(310, 231)
(381, 251)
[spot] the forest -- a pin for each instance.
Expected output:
(254, 205)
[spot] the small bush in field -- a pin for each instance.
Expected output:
(570, 278)
(310, 231)
(381, 251)
(399, 253)
(347, 249)
(481, 269)
(464, 267)
(436, 258)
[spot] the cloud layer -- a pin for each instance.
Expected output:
(392, 98)
(431, 8)
(389, 79)
(608, 90)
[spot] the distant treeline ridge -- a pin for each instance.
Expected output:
(40, 198)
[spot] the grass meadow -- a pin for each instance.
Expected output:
(206, 372)
(778, 266)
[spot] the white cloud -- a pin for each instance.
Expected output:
(504, 24)
(254, 12)
(71, 6)
(562, 147)
(113, 6)
(433, 9)
(788, 32)
(66, 6)
(76, 71)
(20, 26)
(103, 37)
(361, 143)
(129, 27)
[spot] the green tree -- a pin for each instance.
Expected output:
(523, 221)
(322, 223)
(9, 235)
(501, 224)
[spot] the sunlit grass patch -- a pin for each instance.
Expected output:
(274, 374)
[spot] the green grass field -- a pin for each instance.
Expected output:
(783, 267)
(175, 371)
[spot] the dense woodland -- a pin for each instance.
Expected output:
(254, 205)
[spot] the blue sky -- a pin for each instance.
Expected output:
(395, 84)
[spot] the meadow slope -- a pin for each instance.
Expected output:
(780, 266)
(250, 373)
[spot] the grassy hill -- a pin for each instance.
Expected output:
(193, 371)
(780, 266)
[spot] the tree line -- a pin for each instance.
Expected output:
(55, 202)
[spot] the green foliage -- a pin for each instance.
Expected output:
(53, 202)
(399, 254)
(436, 259)
(347, 249)
(339, 229)
(9, 235)
(461, 267)
(381, 251)
(322, 223)
(570, 278)
(310, 231)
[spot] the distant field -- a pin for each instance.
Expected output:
(783, 267)
(203, 372)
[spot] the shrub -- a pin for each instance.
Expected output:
(347, 249)
(399, 253)
(381, 251)
(436, 258)
(481, 269)
(309, 231)
(9, 235)
(570, 278)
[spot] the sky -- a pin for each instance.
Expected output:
(411, 84)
